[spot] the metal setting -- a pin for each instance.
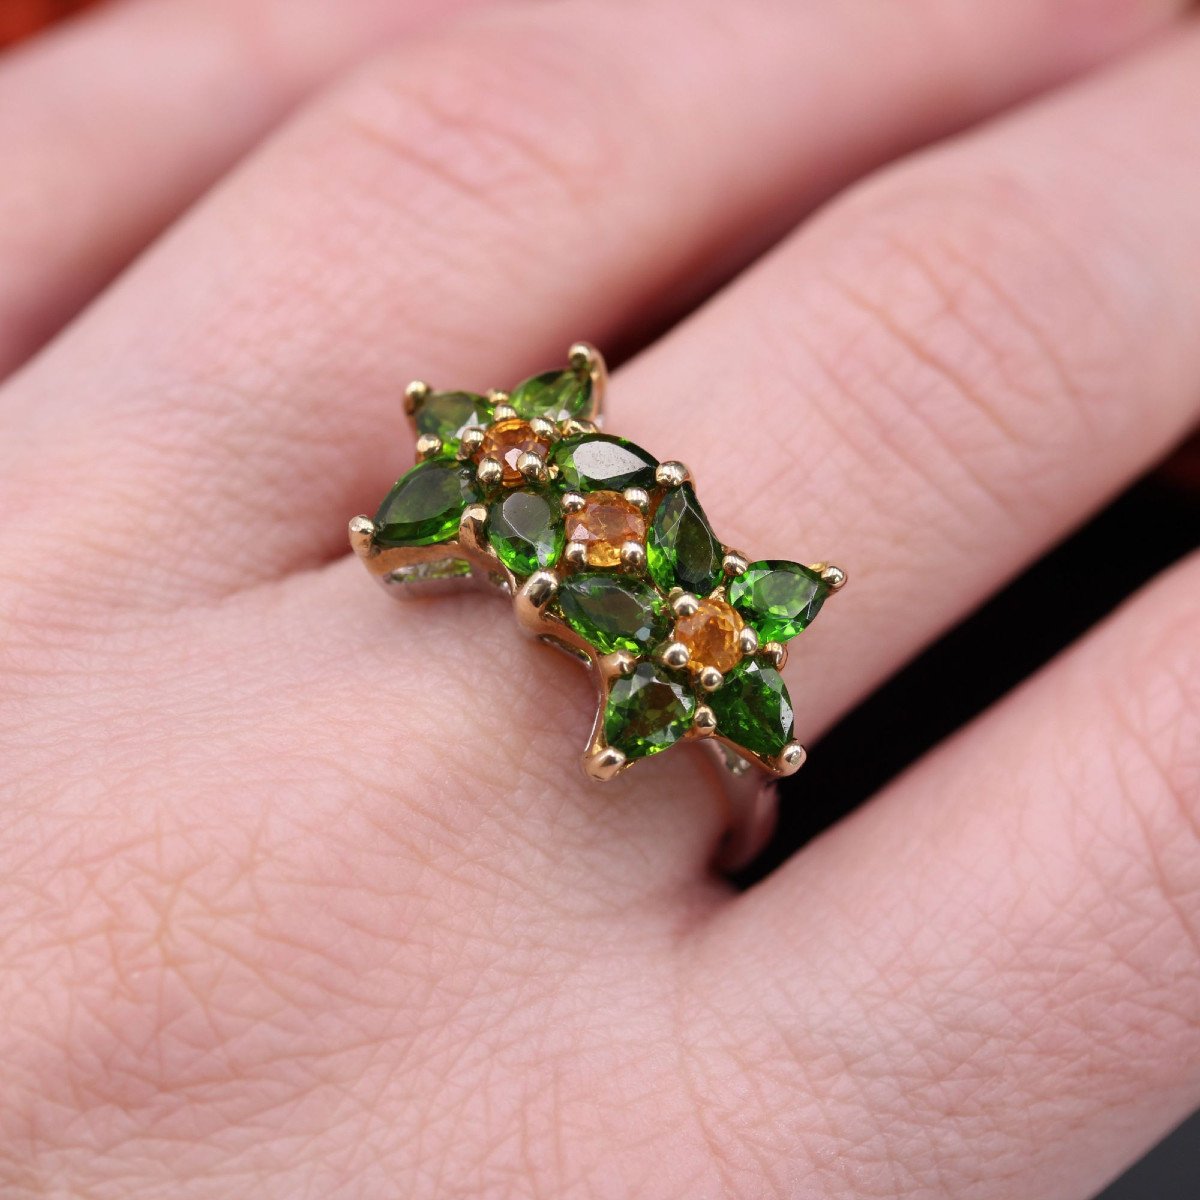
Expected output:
(469, 554)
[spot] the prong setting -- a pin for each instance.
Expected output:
(362, 536)
(791, 758)
(540, 588)
(532, 467)
(671, 474)
(429, 445)
(604, 764)
(777, 653)
(704, 720)
(490, 472)
(748, 641)
(734, 564)
(414, 396)
(638, 497)
(685, 604)
(633, 555)
(503, 411)
(675, 655)
(470, 441)
(576, 553)
(711, 679)
(572, 502)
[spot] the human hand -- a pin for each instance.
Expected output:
(271, 924)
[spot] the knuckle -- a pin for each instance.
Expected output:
(489, 119)
(960, 324)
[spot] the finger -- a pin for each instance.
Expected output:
(463, 211)
(1002, 952)
(952, 367)
(112, 123)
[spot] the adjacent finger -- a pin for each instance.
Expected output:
(991, 975)
(112, 123)
(951, 367)
(462, 211)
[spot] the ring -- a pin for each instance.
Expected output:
(608, 555)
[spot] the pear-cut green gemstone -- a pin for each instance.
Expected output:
(426, 504)
(753, 708)
(681, 549)
(594, 462)
(555, 395)
(647, 711)
(526, 531)
(778, 598)
(447, 414)
(613, 612)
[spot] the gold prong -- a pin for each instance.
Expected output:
(414, 394)
(574, 426)
(638, 497)
(497, 396)
(532, 466)
(671, 474)
(472, 528)
(544, 429)
(583, 356)
(685, 604)
(619, 662)
(834, 577)
(503, 411)
(604, 764)
(777, 653)
(633, 555)
(362, 537)
(704, 720)
(734, 564)
(675, 655)
(576, 553)
(748, 640)
(489, 472)
(540, 588)
(791, 758)
(711, 679)
(429, 445)
(470, 441)
(572, 502)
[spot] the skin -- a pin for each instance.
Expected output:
(270, 923)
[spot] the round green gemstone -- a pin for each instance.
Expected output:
(613, 612)
(526, 531)
(594, 462)
(647, 711)
(447, 414)
(555, 395)
(681, 549)
(426, 504)
(754, 709)
(778, 598)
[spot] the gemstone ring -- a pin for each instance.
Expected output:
(607, 554)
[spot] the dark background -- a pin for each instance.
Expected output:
(1153, 525)
(1147, 529)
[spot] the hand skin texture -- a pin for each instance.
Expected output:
(271, 924)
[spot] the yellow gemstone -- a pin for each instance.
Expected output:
(506, 441)
(711, 636)
(605, 522)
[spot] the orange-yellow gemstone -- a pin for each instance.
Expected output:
(605, 522)
(506, 441)
(711, 636)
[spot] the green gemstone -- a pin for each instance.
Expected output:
(778, 598)
(647, 711)
(754, 709)
(681, 549)
(555, 395)
(447, 414)
(593, 462)
(613, 612)
(425, 505)
(526, 531)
